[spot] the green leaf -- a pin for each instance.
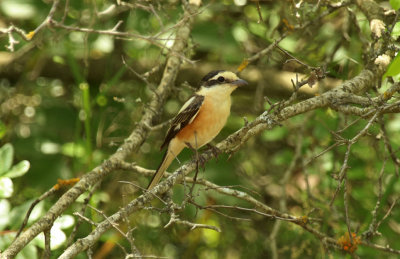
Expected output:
(5, 240)
(64, 221)
(59, 60)
(73, 149)
(395, 4)
(18, 170)
(394, 67)
(6, 187)
(18, 213)
(5, 208)
(6, 157)
(396, 30)
(57, 238)
(3, 129)
(29, 251)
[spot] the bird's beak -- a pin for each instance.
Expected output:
(240, 82)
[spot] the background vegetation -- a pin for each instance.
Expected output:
(78, 79)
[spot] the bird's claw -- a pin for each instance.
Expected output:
(216, 151)
(201, 162)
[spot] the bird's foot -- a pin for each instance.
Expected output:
(200, 160)
(200, 163)
(216, 151)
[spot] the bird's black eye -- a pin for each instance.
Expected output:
(221, 79)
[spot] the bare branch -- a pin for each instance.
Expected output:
(132, 143)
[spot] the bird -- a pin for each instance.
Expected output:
(200, 119)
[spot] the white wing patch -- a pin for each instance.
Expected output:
(187, 103)
(185, 116)
(194, 117)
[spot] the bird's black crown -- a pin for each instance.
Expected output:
(205, 81)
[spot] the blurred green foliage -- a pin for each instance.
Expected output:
(67, 101)
(395, 4)
(8, 172)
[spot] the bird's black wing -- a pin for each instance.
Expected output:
(185, 116)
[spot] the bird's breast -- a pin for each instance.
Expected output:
(211, 118)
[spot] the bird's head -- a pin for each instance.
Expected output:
(221, 79)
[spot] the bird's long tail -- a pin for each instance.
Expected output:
(172, 151)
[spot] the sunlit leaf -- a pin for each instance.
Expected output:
(18, 170)
(3, 129)
(104, 44)
(58, 59)
(394, 67)
(73, 150)
(17, 9)
(6, 187)
(18, 213)
(101, 100)
(211, 237)
(6, 157)
(29, 252)
(395, 4)
(65, 221)
(274, 134)
(5, 240)
(153, 221)
(4, 213)
(57, 238)
(396, 30)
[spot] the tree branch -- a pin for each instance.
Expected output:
(131, 144)
(358, 84)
